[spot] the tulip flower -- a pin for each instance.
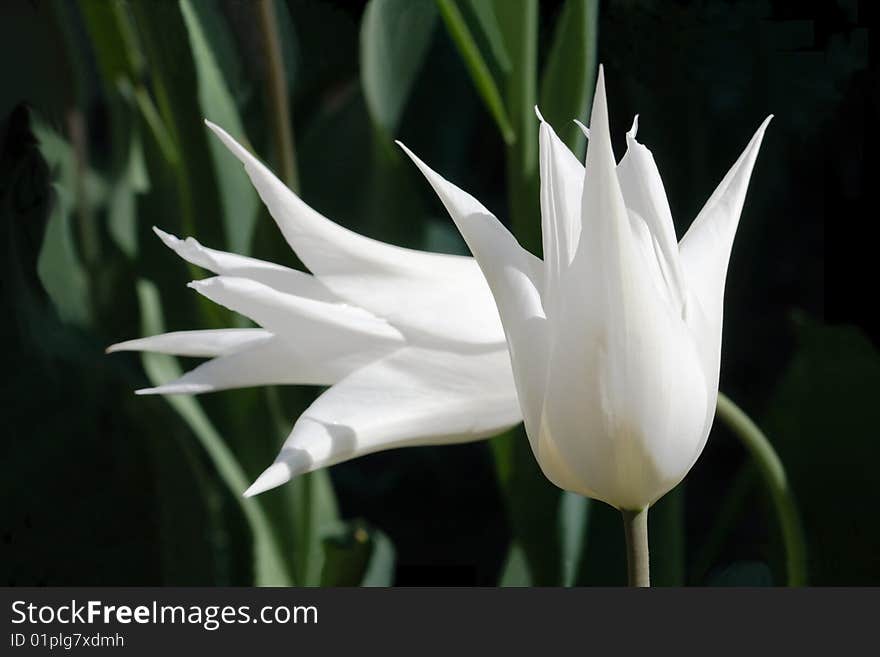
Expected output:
(409, 342)
(615, 337)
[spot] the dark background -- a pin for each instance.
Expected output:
(86, 491)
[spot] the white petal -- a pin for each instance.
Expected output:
(644, 194)
(562, 182)
(625, 396)
(413, 397)
(208, 343)
(314, 360)
(265, 363)
(281, 278)
(705, 248)
(515, 277)
(297, 318)
(705, 253)
(437, 297)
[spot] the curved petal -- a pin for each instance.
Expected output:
(562, 183)
(279, 277)
(705, 253)
(644, 194)
(412, 397)
(267, 362)
(201, 344)
(298, 319)
(435, 297)
(705, 248)
(515, 277)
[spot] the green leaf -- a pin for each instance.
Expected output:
(515, 572)
(316, 516)
(269, 567)
(532, 506)
(667, 539)
(238, 199)
(59, 266)
(358, 556)
(484, 12)
(823, 420)
(570, 71)
(122, 206)
(395, 35)
(380, 569)
(574, 514)
(174, 83)
(481, 75)
(518, 21)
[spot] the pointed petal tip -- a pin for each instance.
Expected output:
(216, 129)
(169, 240)
(583, 128)
(415, 158)
(275, 475)
(633, 131)
(599, 123)
(176, 389)
(539, 115)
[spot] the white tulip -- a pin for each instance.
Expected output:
(615, 337)
(409, 342)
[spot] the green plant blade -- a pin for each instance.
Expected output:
(570, 71)
(394, 39)
(269, 568)
(574, 515)
(238, 199)
(481, 75)
(775, 479)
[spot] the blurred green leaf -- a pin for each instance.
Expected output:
(114, 40)
(574, 514)
(174, 81)
(486, 85)
(316, 517)
(122, 208)
(358, 556)
(515, 572)
(380, 569)
(666, 534)
(395, 35)
(569, 74)
(61, 271)
(269, 568)
(518, 21)
(238, 199)
(60, 266)
(484, 12)
(823, 421)
(346, 556)
(532, 506)
(604, 559)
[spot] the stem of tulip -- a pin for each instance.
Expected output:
(635, 529)
(773, 473)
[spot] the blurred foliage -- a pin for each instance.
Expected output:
(102, 137)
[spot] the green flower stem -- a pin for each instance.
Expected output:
(635, 529)
(279, 107)
(773, 474)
